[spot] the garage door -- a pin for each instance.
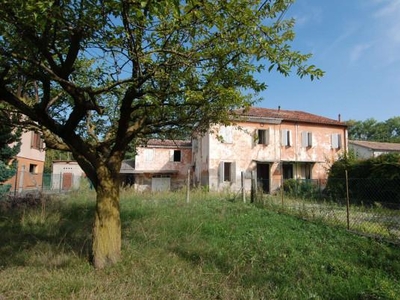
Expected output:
(159, 184)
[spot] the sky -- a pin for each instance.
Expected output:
(357, 44)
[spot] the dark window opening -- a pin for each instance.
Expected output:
(177, 155)
(32, 168)
(262, 137)
(227, 171)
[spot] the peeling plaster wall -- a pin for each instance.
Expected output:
(241, 148)
(153, 161)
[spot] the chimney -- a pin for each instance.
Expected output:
(279, 108)
(339, 118)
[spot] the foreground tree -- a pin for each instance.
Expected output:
(9, 145)
(97, 76)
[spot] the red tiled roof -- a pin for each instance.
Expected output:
(377, 145)
(169, 143)
(289, 115)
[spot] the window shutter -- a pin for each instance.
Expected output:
(289, 138)
(304, 139)
(310, 143)
(335, 140)
(148, 154)
(284, 137)
(32, 139)
(266, 132)
(228, 135)
(339, 141)
(221, 172)
(233, 172)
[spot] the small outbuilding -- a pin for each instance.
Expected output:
(367, 149)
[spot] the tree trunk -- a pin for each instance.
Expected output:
(106, 248)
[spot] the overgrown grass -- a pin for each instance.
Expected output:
(374, 220)
(210, 248)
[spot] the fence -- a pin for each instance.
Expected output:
(367, 206)
(32, 183)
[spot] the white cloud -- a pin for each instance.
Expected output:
(389, 8)
(386, 22)
(358, 51)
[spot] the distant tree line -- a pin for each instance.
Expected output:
(372, 130)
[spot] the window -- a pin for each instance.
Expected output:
(227, 172)
(286, 138)
(148, 154)
(287, 171)
(336, 140)
(33, 168)
(36, 141)
(263, 136)
(225, 133)
(306, 139)
(176, 155)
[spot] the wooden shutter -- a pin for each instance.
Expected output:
(304, 139)
(221, 172)
(233, 172)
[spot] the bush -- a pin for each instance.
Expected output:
(303, 188)
(370, 181)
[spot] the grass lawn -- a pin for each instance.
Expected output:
(210, 248)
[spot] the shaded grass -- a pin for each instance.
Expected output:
(209, 248)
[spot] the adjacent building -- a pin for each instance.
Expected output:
(366, 149)
(30, 164)
(161, 165)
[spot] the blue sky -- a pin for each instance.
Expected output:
(357, 44)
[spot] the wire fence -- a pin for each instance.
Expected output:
(27, 183)
(367, 206)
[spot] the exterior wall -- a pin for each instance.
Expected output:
(158, 162)
(29, 150)
(66, 175)
(361, 152)
(240, 147)
(365, 153)
(30, 165)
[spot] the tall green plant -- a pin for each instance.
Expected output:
(371, 180)
(9, 146)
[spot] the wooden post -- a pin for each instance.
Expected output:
(253, 188)
(188, 187)
(243, 191)
(347, 200)
(282, 191)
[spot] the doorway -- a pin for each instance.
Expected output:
(263, 171)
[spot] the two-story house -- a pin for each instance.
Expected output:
(273, 144)
(30, 159)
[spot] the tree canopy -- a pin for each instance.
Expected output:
(97, 76)
(373, 130)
